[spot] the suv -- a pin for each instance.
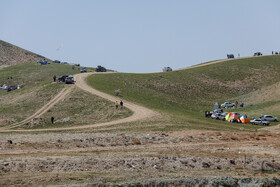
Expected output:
(83, 70)
(260, 122)
(100, 69)
(227, 105)
(269, 118)
(62, 78)
(166, 69)
(230, 56)
(257, 54)
(69, 80)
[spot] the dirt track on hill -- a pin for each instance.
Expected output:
(139, 112)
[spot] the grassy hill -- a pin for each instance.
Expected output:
(187, 93)
(37, 91)
(12, 55)
(81, 107)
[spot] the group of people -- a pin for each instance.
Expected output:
(117, 104)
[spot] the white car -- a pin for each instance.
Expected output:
(227, 105)
(269, 118)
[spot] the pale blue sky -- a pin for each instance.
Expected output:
(141, 36)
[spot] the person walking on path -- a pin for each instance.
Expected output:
(54, 78)
(52, 119)
(117, 105)
(121, 104)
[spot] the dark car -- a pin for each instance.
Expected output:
(100, 69)
(230, 56)
(69, 80)
(83, 70)
(57, 61)
(257, 54)
(62, 78)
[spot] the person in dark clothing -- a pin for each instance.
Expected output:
(121, 104)
(52, 119)
(54, 78)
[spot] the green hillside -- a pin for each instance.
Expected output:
(37, 89)
(187, 93)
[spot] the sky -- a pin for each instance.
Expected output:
(141, 36)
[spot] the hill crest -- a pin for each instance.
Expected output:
(12, 55)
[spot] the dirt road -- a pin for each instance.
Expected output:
(139, 112)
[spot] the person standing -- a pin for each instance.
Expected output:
(121, 104)
(54, 78)
(117, 104)
(52, 119)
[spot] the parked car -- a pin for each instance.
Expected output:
(257, 54)
(83, 70)
(69, 80)
(217, 111)
(259, 122)
(166, 69)
(230, 56)
(62, 78)
(227, 105)
(57, 61)
(222, 116)
(100, 69)
(269, 118)
(215, 115)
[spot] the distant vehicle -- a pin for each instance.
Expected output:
(217, 111)
(227, 105)
(63, 62)
(69, 80)
(100, 69)
(215, 115)
(83, 70)
(257, 54)
(57, 61)
(76, 64)
(62, 78)
(222, 116)
(166, 69)
(230, 56)
(269, 118)
(259, 122)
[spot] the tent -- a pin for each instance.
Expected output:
(244, 119)
(233, 118)
(228, 115)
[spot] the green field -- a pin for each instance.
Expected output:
(186, 94)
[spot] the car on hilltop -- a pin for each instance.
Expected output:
(257, 54)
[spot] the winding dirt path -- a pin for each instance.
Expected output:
(139, 112)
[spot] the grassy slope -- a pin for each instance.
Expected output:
(37, 91)
(185, 94)
(82, 108)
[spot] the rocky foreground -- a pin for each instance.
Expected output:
(156, 159)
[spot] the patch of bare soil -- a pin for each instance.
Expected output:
(138, 156)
